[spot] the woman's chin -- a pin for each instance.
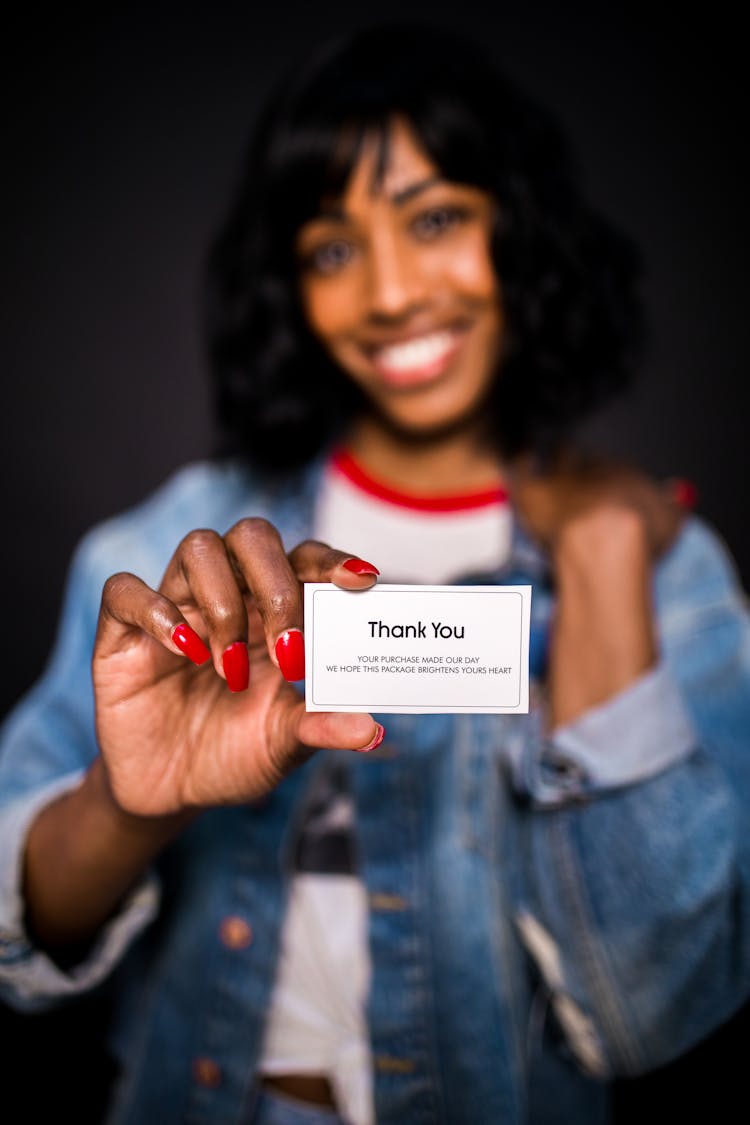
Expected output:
(422, 427)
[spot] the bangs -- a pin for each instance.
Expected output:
(316, 166)
(343, 97)
(348, 150)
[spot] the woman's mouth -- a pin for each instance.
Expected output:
(418, 360)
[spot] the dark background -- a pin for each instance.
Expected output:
(122, 134)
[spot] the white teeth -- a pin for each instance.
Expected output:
(416, 353)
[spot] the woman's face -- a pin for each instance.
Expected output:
(398, 284)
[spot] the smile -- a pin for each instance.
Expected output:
(416, 360)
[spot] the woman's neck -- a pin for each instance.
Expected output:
(451, 463)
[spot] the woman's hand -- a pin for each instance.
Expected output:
(559, 505)
(603, 524)
(176, 736)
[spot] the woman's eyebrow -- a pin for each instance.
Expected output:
(411, 190)
(336, 213)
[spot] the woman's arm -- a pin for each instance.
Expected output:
(603, 634)
(174, 735)
(83, 855)
(604, 526)
(634, 893)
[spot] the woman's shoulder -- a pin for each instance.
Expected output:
(697, 582)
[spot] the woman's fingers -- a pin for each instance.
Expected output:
(312, 561)
(215, 574)
(257, 551)
(200, 573)
(550, 501)
(129, 608)
(317, 562)
(339, 731)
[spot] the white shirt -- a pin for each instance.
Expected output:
(316, 1024)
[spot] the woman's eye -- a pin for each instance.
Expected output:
(438, 219)
(330, 256)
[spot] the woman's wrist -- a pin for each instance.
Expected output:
(603, 636)
(158, 829)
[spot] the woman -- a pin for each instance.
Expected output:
(472, 918)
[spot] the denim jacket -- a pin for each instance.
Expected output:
(545, 912)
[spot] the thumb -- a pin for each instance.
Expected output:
(335, 730)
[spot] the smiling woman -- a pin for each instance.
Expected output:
(411, 306)
(399, 286)
(463, 217)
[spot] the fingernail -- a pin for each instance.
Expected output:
(236, 666)
(379, 736)
(359, 566)
(685, 494)
(290, 653)
(188, 641)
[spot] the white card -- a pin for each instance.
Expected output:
(417, 649)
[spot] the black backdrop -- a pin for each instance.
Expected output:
(122, 135)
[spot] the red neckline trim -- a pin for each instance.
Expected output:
(455, 502)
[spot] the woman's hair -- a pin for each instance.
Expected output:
(568, 279)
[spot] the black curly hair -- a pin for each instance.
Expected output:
(569, 280)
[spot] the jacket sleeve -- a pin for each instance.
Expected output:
(45, 747)
(633, 896)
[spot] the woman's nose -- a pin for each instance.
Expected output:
(395, 279)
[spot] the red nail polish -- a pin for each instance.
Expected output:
(359, 566)
(685, 494)
(188, 641)
(236, 666)
(290, 653)
(379, 736)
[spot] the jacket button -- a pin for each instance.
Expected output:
(392, 1064)
(235, 932)
(206, 1072)
(379, 900)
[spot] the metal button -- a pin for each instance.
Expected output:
(206, 1072)
(379, 900)
(391, 1064)
(235, 932)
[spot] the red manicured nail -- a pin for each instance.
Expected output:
(190, 643)
(359, 566)
(290, 653)
(379, 736)
(685, 494)
(236, 666)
